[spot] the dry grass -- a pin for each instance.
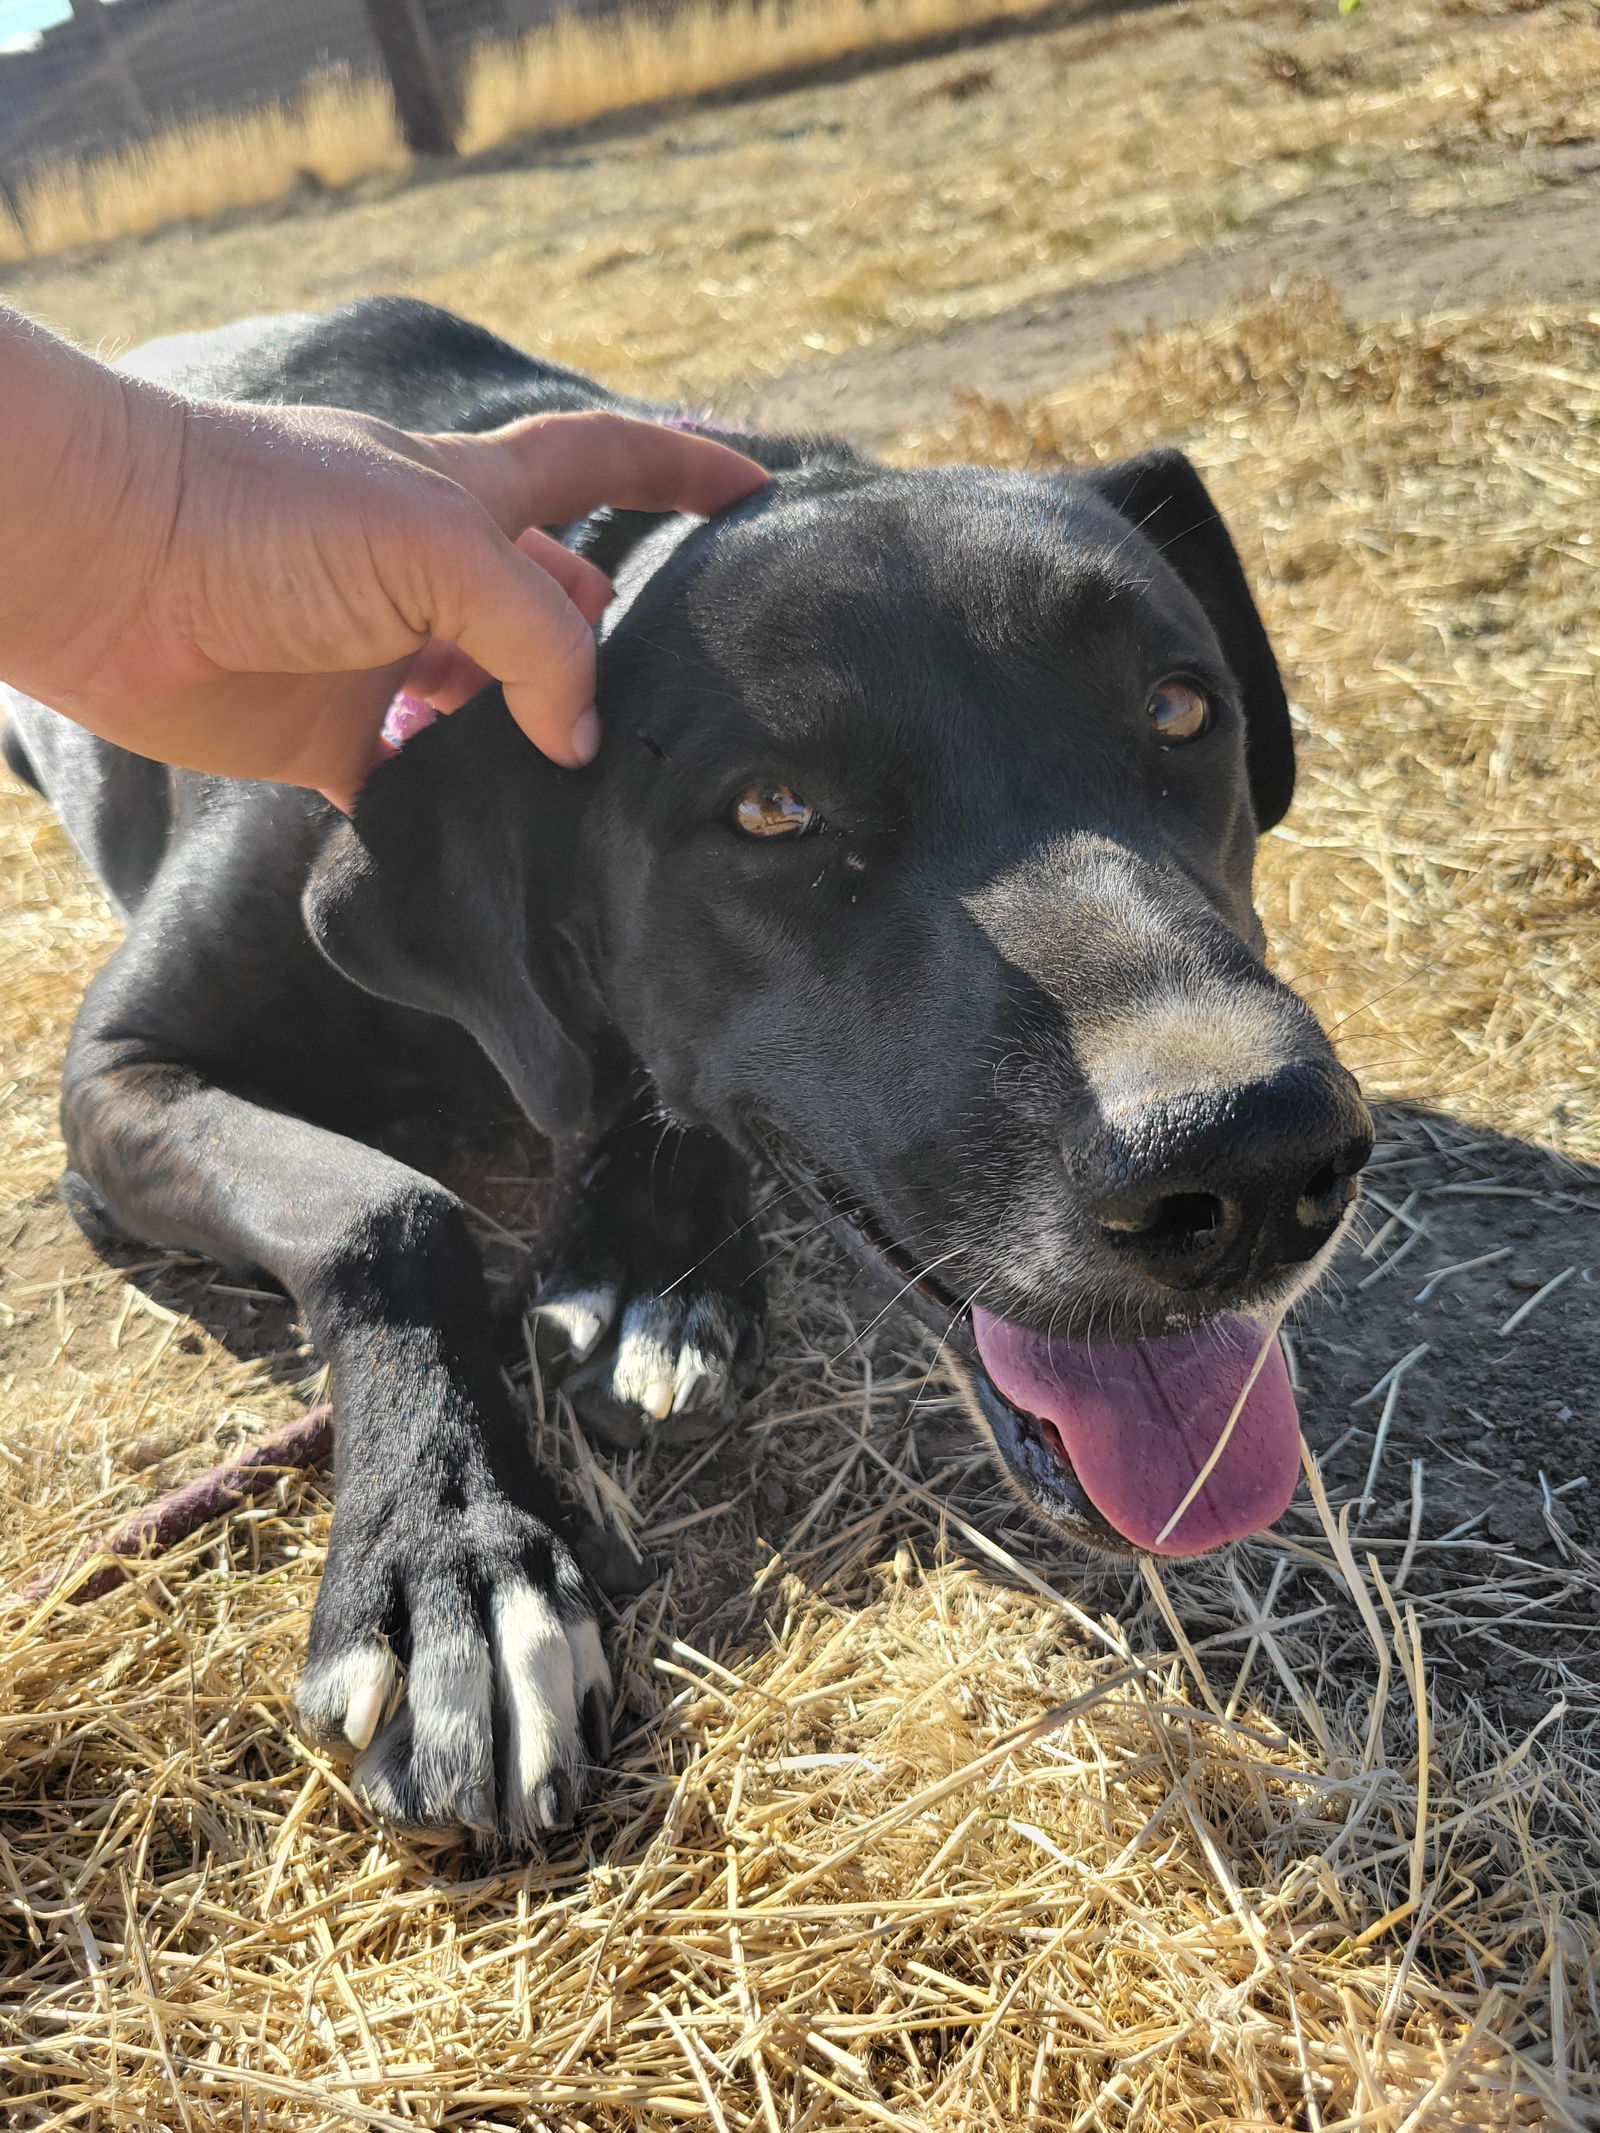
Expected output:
(715, 246)
(57, 931)
(898, 1838)
(581, 67)
(338, 131)
(916, 1827)
(561, 76)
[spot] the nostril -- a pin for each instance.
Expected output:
(1326, 1195)
(1178, 1220)
(1186, 1216)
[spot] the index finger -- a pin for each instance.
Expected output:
(548, 470)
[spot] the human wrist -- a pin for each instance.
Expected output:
(93, 459)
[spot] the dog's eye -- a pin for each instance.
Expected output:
(772, 811)
(1178, 713)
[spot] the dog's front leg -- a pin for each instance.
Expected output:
(453, 1647)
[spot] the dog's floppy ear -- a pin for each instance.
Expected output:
(1161, 495)
(443, 894)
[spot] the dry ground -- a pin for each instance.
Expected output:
(919, 1824)
(694, 253)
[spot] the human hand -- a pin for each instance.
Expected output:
(244, 589)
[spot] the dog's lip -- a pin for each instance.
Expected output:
(1034, 1461)
(1036, 1448)
(865, 1224)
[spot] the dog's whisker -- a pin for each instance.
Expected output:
(906, 1286)
(962, 1311)
(790, 1244)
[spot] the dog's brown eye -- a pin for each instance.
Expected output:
(772, 811)
(1178, 713)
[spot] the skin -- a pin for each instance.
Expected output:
(243, 590)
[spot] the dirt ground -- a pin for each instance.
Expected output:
(1494, 1437)
(1364, 241)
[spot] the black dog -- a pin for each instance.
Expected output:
(916, 862)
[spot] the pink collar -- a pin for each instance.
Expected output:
(406, 715)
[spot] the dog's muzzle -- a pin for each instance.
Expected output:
(1210, 1213)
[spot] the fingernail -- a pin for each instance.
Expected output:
(585, 741)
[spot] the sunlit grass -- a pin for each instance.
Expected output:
(344, 128)
(581, 67)
(341, 129)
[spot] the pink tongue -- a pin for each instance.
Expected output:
(1139, 1424)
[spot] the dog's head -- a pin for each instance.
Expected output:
(917, 858)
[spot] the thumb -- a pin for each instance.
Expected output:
(518, 624)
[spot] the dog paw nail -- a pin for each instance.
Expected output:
(349, 1694)
(656, 1398)
(596, 1723)
(363, 1712)
(475, 1810)
(696, 1371)
(554, 1802)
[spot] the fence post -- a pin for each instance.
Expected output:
(96, 24)
(411, 61)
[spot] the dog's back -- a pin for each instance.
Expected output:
(391, 356)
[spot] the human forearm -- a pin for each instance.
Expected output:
(92, 472)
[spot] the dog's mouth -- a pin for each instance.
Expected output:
(1171, 1446)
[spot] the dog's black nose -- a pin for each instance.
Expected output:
(1226, 1187)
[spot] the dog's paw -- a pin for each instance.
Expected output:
(649, 1360)
(650, 1315)
(458, 1659)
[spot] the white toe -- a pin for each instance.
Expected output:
(349, 1694)
(645, 1369)
(541, 1695)
(546, 1670)
(580, 1317)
